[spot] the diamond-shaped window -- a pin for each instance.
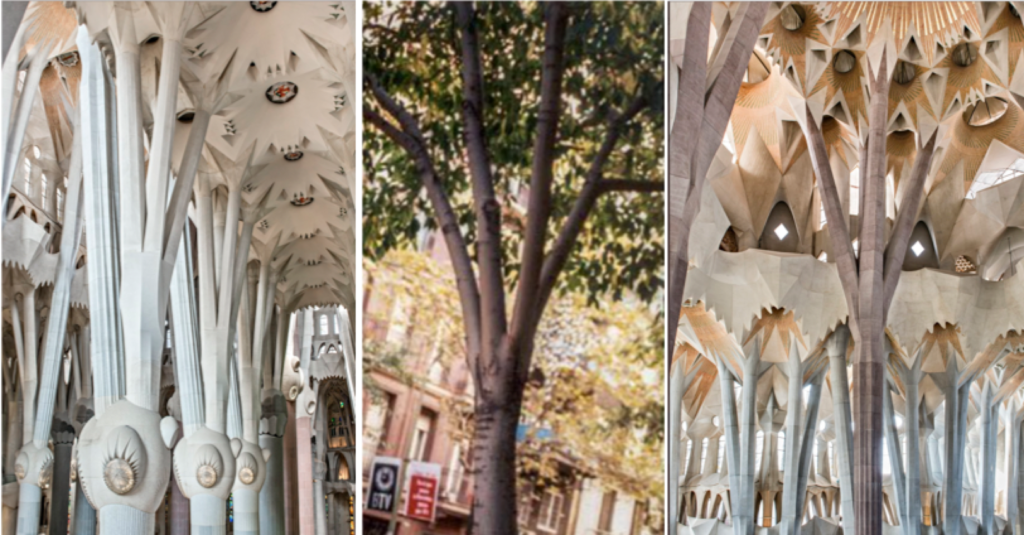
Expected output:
(781, 232)
(917, 248)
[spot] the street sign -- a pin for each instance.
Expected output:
(383, 484)
(424, 481)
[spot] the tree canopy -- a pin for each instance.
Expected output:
(613, 57)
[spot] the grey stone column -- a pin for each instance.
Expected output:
(272, 428)
(319, 511)
(789, 516)
(892, 440)
(30, 503)
(837, 349)
(956, 435)
(180, 515)
(63, 440)
(989, 429)
(743, 515)
(730, 432)
(290, 471)
(85, 515)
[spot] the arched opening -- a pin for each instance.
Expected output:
(1003, 259)
(920, 249)
(780, 231)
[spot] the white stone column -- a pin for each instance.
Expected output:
(843, 450)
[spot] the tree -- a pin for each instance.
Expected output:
(579, 100)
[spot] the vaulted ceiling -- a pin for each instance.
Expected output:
(285, 130)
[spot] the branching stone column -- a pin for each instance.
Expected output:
(38, 57)
(34, 466)
(892, 440)
(124, 457)
(752, 368)
(910, 377)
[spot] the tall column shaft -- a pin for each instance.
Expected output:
(85, 515)
(272, 493)
(30, 503)
(844, 436)
(304, 466)
(247, 514)
(60, 496)
(989, 430)
(208, 514)
(675, 409)
(291, 473)
(125, 520)
(180, 510)
(319, 509)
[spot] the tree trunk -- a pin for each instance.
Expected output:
(494, 461)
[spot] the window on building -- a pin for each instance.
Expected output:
(525, 509)
(855, 191)
(43, 189)
(721, 455)
(60, 205)
(856, 248)
(324, 329)
(456, 472)
(422, 435)
(343, 471)
(550, 510)
(340, 423)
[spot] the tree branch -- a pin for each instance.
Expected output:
(593, 187)
(897, 249)
(411, 139)
(485, 202)
(526, 313)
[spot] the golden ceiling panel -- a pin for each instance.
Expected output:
(756, 106)
(969, 144)
(911, 95)
(933, 20)
(1015, 35)
(850, 84)
(792, 44)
